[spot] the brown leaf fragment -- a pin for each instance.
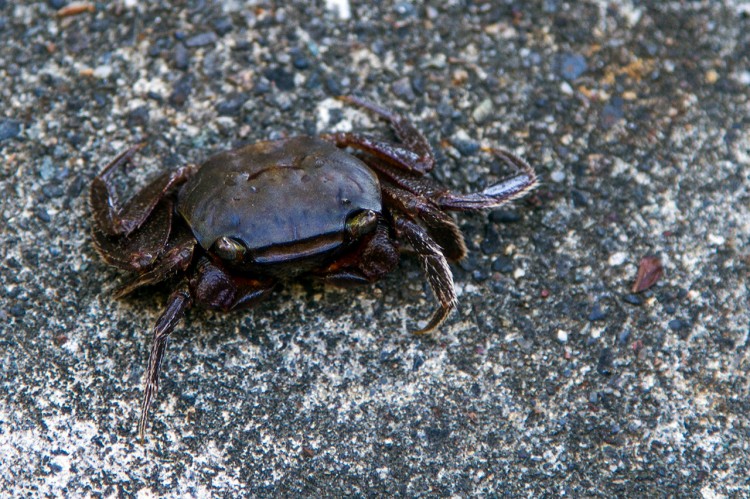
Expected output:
(76, 8)
(650, 271)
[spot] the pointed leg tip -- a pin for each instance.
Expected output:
(437, 320)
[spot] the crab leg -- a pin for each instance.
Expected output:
(179, 301)
(114, 219)
(439, 224)
(435, 267)
(414, 154)
(496, 195)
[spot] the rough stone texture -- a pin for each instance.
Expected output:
(553, 379)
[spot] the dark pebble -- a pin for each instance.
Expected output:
(138, 117)
(52, 191)
(504, 217)
(678, 325)
(418, 84)
(17, 310)
(76, 187)
(333, 86)
(155, 96)
(579, 199)
(301, 62)
(201, 39)
(232, 105)
(490, 245)
(181, 57)
(604, 366)
(222, 25)
(284, 80)
(99, 99)
(261, 86)
(597, 314)
(670, 308)
(465, 147)
(313, 81)
(57, 4)
(402, 88)
(9, 129)
(502, 264)
(623, 337)
(632, 299)
(612, 113)
(479, 276)
(436, 435)
(445, 110)
(181, 91)
(418, 362)
(572, 66)
(476, 390)
(42, 214)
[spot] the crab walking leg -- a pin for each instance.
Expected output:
(435, 267)
(496, 195)
(114, 219)
(178, 303)
(413, 154)
(176, 258)
(440, 225)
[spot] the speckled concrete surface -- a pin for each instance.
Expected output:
(553, 378)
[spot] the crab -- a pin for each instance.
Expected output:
(340, 208)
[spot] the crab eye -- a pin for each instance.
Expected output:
(361, 223)
(229, 249)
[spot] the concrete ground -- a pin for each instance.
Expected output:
(554, 378)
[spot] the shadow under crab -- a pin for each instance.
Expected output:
(226, 232)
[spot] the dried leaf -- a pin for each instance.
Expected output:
(649, 272)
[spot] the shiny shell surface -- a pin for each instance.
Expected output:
(294, 193)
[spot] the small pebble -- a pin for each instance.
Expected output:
(42, 214)
(678, 325)
(181, 91)
(502, 264)
(465, 147)
(572, 66)
(557, 176)
(597, 314)
(402, 88)
(103, 72)
(612, 113)
(222, 25)
(232, 105)
(562, 336)
(52, 191)
(138, 117)
(632, 299)
(623, 337)
(9, 129)
(201, 39)
(181, 57)
(579, 198)
(483, 111)
(17, 310)
(618, 258)
(504, 216)
(284, 80)
(604, 366)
